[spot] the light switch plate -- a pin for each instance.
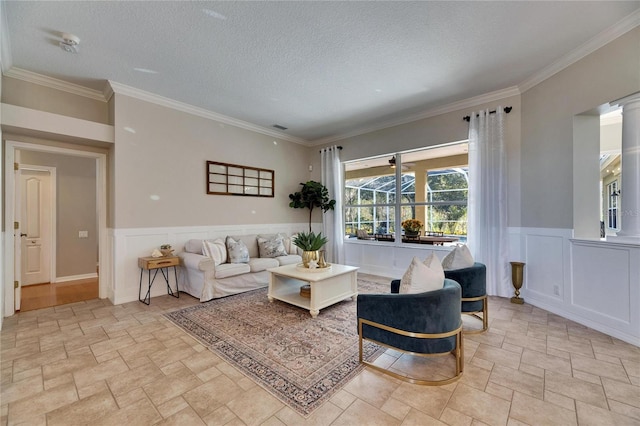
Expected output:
(83, 234)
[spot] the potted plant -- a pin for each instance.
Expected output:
(412, 227)
(313, 194)
(166, 250)
(310, 244)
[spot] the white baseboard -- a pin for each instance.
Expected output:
(76, 277)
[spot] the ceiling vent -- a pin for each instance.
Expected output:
(279, 127)
(69, 43)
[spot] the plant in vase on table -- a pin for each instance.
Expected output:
(166, 250)
(412, 227)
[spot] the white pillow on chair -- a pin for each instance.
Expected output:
(460, 257)
(423, 276)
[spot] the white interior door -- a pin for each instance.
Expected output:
(35, 225)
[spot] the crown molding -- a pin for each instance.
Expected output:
(54, 83)
(432, 112)
(107, 91)
(122, 89)
(605, 37)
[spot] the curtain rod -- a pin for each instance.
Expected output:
(506, 110)
(329, 148)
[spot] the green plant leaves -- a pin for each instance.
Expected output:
(310, 241)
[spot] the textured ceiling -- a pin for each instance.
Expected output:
(322, 69)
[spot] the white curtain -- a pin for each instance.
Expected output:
(487, 214)
(332, 219)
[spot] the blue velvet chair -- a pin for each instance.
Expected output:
(473, 281)
(423, 324)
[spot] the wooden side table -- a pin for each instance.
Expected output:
(156, 264)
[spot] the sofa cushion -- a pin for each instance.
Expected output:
(216, 250)
(259, 264)
(194, 246)
(237, 250)
(289, 259)
(460, 257)
(420, 277)
(231, 269)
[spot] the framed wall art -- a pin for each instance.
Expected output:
(233, 179)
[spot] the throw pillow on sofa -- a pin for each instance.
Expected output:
(460, 257)
(238, 251)
(216, 250)
(271, 247)
(423, 276)
(292, 248)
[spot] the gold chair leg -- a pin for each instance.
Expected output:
(458, 354)
(485, 314)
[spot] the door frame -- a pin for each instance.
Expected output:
(9, 210)
(52, 214)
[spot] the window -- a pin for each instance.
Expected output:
(610, 171)
(433, 187)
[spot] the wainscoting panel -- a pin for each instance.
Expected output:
(131, 243)
(602, 285)
(545, 265)
(386, 258)
(592, 282)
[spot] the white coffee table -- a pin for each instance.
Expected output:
(327, 288)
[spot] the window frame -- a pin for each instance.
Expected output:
(400, 204)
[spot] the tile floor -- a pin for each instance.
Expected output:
(94, 363)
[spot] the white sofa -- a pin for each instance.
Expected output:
(203, 279)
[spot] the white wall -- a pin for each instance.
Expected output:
(3, 264)
(131, 243)
(387, 259)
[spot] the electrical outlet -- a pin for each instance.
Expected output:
(83, 234)
(556, 290)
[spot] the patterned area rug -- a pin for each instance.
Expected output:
(301, 360)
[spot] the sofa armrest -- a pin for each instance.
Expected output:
(197, 261)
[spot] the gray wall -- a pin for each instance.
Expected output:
(548, 109)
(34, 96)
(75, 210)
(166, 157)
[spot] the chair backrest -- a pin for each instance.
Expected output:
(473, 279)
(431, 312)
(363, 235)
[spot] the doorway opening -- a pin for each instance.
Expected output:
(85, 222)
